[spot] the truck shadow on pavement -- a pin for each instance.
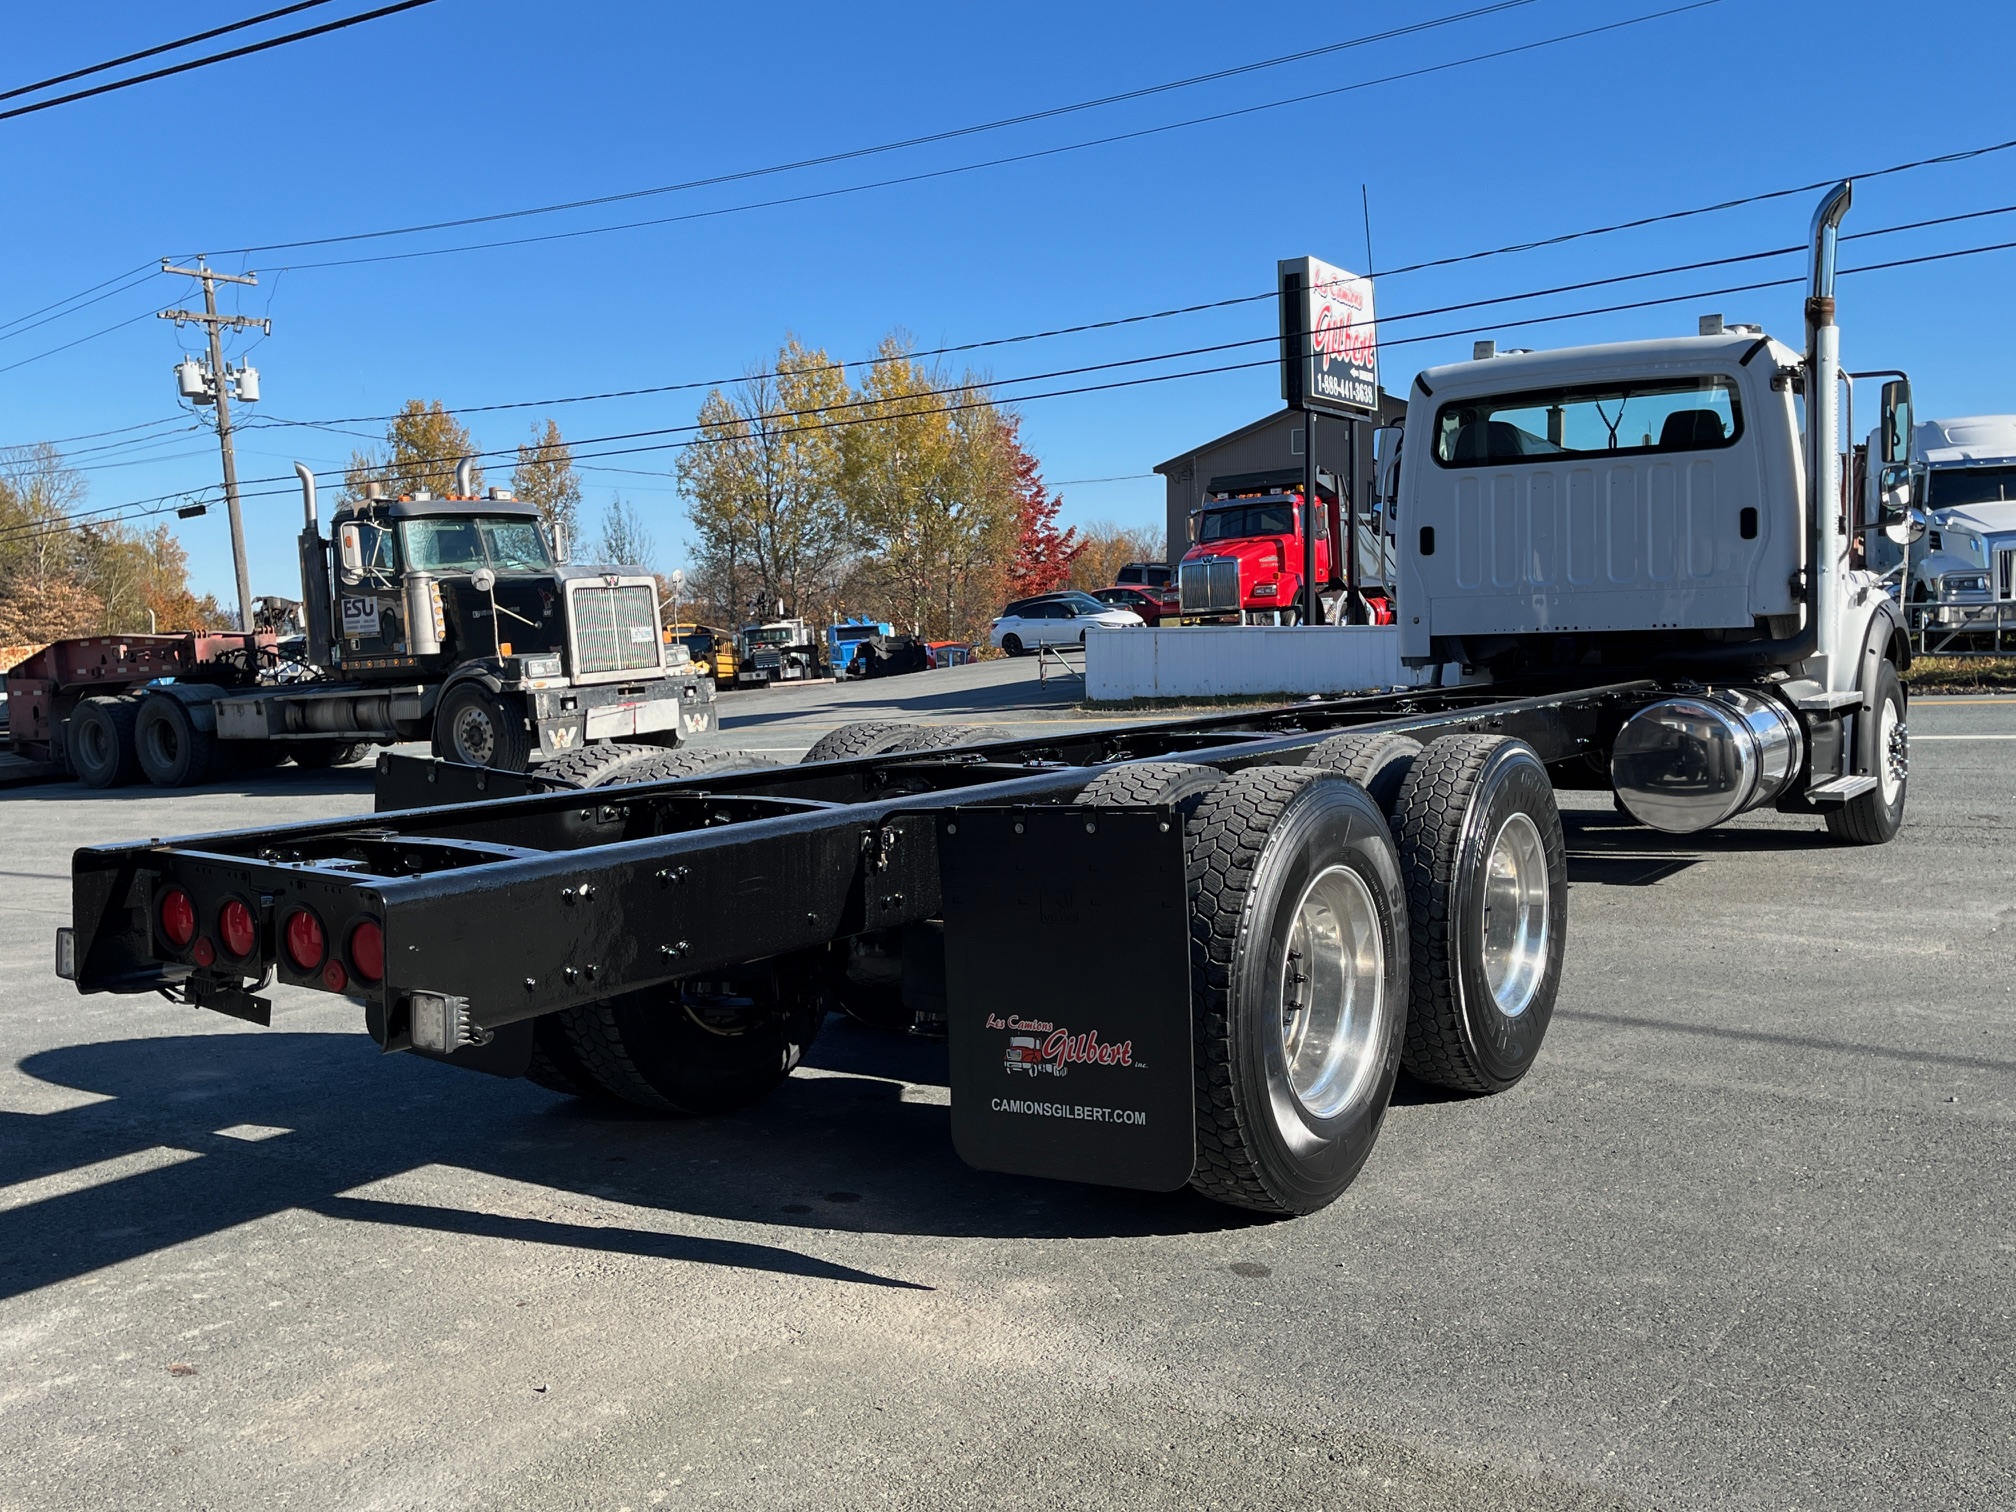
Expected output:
(201, 1133)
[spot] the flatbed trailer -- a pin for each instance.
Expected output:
(1192, 951)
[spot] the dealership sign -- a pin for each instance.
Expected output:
(1329, 340)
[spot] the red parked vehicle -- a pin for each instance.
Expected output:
(1247, 559)
(1247, 563)
(1150, 603)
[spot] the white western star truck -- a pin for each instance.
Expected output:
(1962, 577)
(1218, 939)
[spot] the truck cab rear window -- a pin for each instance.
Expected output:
(1626, 419)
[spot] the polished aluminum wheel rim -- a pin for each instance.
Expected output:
(1895, 743)
(1515, 915)
(474, 739)
(1333, 993)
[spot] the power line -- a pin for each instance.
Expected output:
(1098, 325)
(165, 47)
(222, 57)
(939, 173)
(77, 303)
(987, 397)
(107, 331)
(880, 148)
(146, 267)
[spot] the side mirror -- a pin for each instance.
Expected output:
(1906, 528)
(559, 544)
(350, 550)
(1897, 420)
(1386, 464)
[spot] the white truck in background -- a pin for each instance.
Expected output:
(1961, 578)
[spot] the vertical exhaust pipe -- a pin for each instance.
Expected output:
(307, 477)
(1824, 550)
(465, 475)
(1823, 417)
(317, 592)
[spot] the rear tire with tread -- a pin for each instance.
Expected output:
(691, 1048)
(100, 742)
(1379, 763)
(1255, 843)
(1452, 812)
(172, 751)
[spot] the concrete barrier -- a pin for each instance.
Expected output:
(1213, 661)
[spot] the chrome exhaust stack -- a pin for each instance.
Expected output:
(1686, 764)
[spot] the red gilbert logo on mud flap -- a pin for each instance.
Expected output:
(1041, 1048)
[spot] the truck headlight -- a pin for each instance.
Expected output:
(1959, 584)
(540, 666)
(1266, 590)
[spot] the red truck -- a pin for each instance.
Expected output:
(1247, 561)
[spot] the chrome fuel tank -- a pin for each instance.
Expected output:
(1687, 763)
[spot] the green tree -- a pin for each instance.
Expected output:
(60, 576)
(762, 489)
(545, 476)
(624, 542)
(929, 483)
(423, 443)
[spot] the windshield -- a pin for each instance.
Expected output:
(698, 645)
(782, 635)
(1274, 518)
(1949, 487)
(855, 632)
(1657, 415)
(465, 544)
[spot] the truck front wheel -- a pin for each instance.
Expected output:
(1874, 817)
(479, 728)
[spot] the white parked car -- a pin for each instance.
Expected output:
(1055, 619)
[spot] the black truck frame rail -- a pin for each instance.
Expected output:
(502, 909)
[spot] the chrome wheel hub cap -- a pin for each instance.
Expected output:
(1894, 740)
(475, 741)
(1515, 932)
(1333, 994)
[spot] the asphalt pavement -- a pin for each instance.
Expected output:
(1742, 1239)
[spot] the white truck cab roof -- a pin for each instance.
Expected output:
(1970, 440)
(1578, 365)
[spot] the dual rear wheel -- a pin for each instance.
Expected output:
(1382, 906)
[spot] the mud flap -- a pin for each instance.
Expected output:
(1067, 973)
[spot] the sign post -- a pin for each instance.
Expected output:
(1330, 365)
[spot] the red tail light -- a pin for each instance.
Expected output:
(235, 927)
(178, 918)
(306, 943)
(367, 951)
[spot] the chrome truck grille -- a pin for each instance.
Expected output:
(615, 628)
(1209, 586)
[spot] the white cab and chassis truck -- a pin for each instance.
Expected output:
(1189, 952)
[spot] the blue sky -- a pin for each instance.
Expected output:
(466, 107)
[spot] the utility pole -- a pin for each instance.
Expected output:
(212, 386)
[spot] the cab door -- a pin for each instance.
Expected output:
(369, 610)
